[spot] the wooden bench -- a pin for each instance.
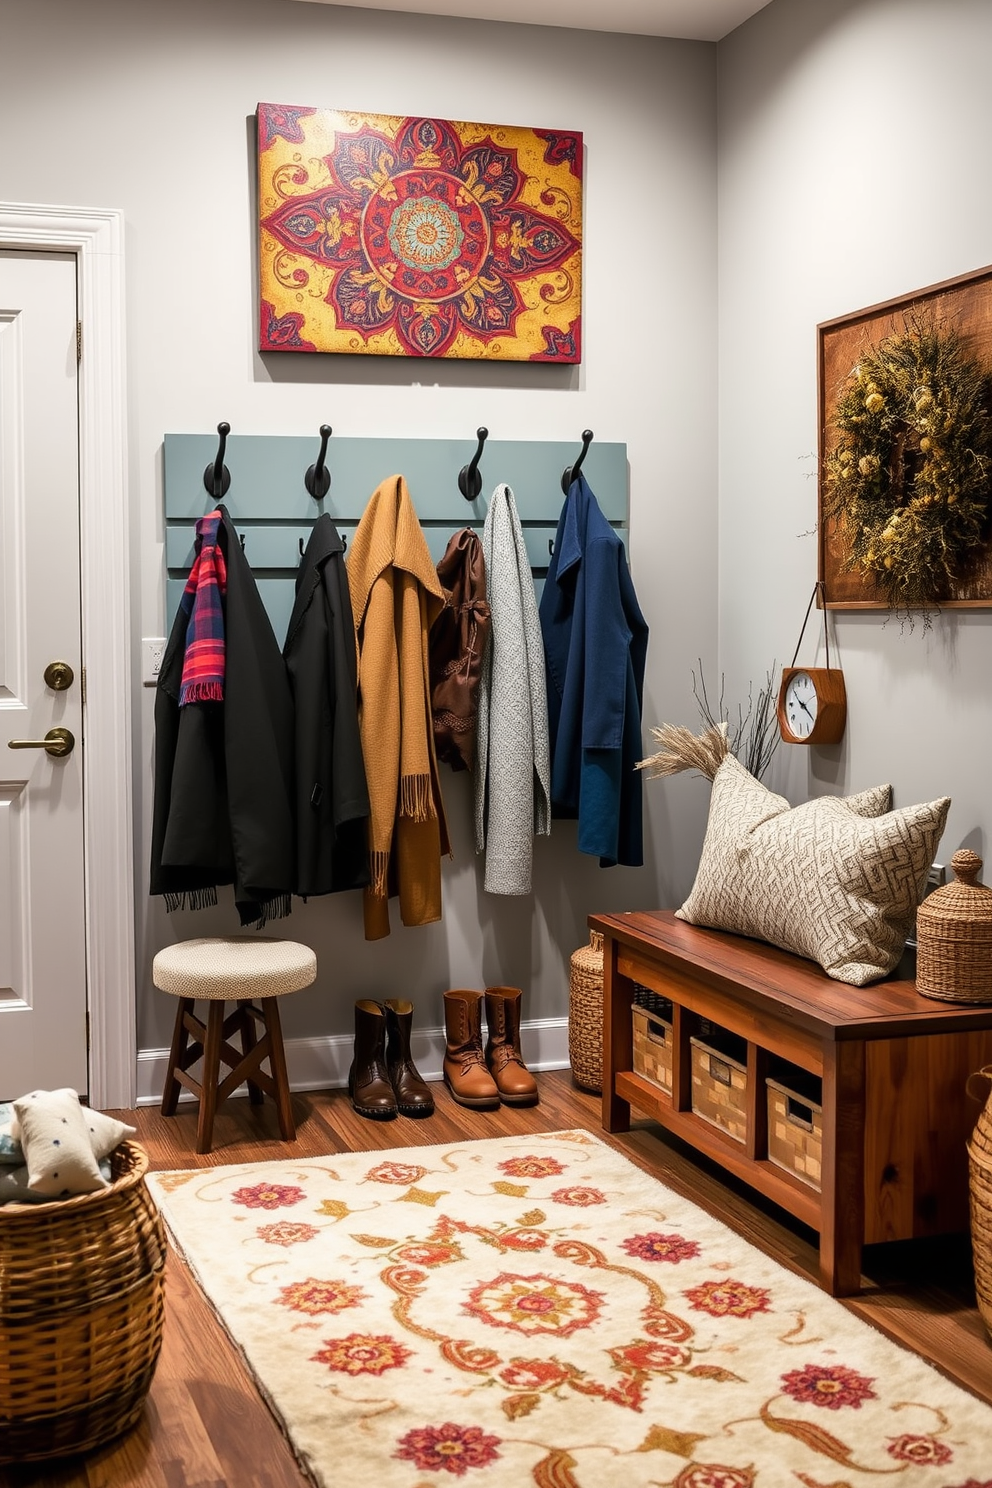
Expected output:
(893, 1064)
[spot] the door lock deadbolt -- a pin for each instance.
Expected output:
(59, 675)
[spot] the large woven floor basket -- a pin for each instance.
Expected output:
(980, 1174)
(81, 1309)
(585, 1013)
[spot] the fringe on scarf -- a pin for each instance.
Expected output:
(681, 749)
(378, 865)
(203, 692)
(191, 899)
(257, 914)
(415, 797)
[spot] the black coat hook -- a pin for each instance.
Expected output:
(217, 477)
(469, 479)
(571, 471)
(318, 478)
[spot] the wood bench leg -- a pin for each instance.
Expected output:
(277, 1063)
(180, 1035)
(756, 1140)
(211, 1071)
(842, 1222)
(618, 1038)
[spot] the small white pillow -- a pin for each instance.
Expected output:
(56, 1142)
(106, 1132)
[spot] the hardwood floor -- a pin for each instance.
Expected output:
(205, 1425)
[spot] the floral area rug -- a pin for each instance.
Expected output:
(536, 1310)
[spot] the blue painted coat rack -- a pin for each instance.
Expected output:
(266, 481)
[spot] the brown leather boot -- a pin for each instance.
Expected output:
(413, 1097)
(514, 1081)
(368, 1079)
(465, 1072)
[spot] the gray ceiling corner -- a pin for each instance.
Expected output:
(684, 20)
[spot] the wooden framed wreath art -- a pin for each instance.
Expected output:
(418, 237)
(905, 489)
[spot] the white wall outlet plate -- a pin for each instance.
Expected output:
(936, 878)
(152, 651)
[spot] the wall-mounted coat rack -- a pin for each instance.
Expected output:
(266, 480)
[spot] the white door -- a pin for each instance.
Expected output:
(42, 953)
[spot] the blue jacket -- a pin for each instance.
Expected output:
(595, 642)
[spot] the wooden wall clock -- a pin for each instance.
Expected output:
(812, 701)
(812, 705)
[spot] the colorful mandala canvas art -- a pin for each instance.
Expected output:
(418, 237)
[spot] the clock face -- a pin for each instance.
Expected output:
(800, 705)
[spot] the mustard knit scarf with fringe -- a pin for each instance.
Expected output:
(396, 596)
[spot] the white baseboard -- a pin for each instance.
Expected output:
(322, 1063)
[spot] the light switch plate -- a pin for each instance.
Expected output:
(152, 651)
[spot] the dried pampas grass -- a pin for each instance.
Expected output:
(681, 749)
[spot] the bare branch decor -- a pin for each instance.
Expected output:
(754, 735)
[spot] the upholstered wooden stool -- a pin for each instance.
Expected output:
(241, 969)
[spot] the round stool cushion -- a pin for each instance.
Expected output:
(234, 967)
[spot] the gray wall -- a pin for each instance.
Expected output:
(853, 168)
(149, 109)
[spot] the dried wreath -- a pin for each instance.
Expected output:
(909, 475)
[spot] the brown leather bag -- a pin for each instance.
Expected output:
(456, 647)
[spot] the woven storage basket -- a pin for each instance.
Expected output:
(719, 1081)
(652, 1046)
(980, 1197)
(980, 1174)
(585, 1013)
(81, 1309)
(795, 1123)
(954, 937)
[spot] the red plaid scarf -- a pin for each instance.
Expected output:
(203, 602)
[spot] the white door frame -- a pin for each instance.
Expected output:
(96, 237)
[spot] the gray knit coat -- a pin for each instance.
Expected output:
(512, 764)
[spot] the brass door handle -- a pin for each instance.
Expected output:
(58, 742)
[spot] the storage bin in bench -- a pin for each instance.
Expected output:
(652, 1035)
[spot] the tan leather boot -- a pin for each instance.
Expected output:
(514, 1081)
(465, 1072)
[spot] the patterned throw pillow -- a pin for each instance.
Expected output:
(835, 880)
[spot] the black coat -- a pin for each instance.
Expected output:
(223, 798)
(332, 800)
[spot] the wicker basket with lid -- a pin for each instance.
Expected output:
(954, 936)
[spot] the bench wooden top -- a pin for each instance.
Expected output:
(757, 974)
